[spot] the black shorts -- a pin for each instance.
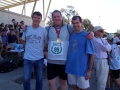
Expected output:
(54, 70)
(115, 73)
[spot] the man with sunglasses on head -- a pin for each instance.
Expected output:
(100, 62)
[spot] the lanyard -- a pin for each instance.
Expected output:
(57, 32)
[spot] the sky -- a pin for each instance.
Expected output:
(105, 13)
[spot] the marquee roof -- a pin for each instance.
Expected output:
(5, 4)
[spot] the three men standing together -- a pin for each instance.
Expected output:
(77, 50)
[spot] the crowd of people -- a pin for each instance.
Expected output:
(70, 50)
(10, 37)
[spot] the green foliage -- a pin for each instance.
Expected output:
(67, 14)
(87, 25)
(105, 34)
(118, 30)
(50, 22)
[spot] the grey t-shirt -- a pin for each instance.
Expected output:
(65, 33)
(35, 39)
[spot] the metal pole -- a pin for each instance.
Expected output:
(99, 20)
(23, 8)
(34, 7)
(47, 10)
(43, 10)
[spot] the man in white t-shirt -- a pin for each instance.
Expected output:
(34, 40)
(117, 39)
(114, 56)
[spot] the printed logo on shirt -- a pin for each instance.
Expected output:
(57, 48)
(74, 45)
(34, 39)
(117, 57)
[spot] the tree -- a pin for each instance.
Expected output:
(105, 34)
(67, 14)
(118, 30)
(50, 22)
(87, 25)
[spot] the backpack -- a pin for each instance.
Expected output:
(6, 66)
(67, 29)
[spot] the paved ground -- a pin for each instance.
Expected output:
(13, 81)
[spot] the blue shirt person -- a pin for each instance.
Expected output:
(80, 57)
(78, 54)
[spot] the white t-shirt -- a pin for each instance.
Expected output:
(116, 39)
(35, 39)
(114, 57)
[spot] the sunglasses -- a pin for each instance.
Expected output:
(101, 31)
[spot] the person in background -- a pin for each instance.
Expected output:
(20, 31)
(12, 39)
(1, 45)
(101, 47)
(16, 28)
(114, 56)
(117, 39)
(80, 57)
(1, 26)
(15, 23)
(7, 28)
(6, 46)
(20, 28)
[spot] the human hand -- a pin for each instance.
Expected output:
(46, 54)
(90, 35)
(24, 27)
(88, 75)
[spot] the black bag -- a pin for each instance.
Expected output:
(15, 65)
(20, 63)
(6, 66)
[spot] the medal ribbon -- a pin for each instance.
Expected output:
(57, 32)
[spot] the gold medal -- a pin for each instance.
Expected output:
(58, 40)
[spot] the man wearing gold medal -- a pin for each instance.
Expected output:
(58, 41)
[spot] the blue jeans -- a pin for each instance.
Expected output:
(38, 69)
